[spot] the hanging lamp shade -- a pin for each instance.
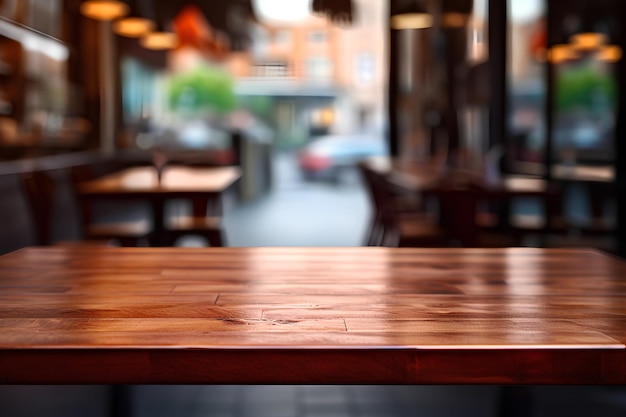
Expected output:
(562, 53)
(412, 16)
(610, 53)
(160, 39)
(454, 20)
(464, 7)
(591, 25)
(337, 11)
(456, 13)
(104, 10)
(589, 40)
(135, 24)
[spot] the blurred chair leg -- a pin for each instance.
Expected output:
(128, 242)
(375, 233)
(216, 238)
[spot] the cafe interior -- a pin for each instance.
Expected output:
(501, 121)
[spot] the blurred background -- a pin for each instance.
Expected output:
(298, 93)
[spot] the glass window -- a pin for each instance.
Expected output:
(317, 36)
(319, 68)
(526, 85)
(584, 109)
(260, 46)
(283, 37)
(365, 68)
(271, 69)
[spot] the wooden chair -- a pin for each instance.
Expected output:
(130, 233)
(461, 215)
(502, 219)
(598, 231)
(599, 224)
(208, 227)
(391, 226)
(40, 191)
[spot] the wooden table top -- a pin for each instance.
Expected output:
(583, 173)
(429, 176)
(176, 180)
(312, 315)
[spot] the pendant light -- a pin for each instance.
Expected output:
(591, 37)
(160, 39)
(104, 10)
(587, 41)
(592, 29)
(337, 11)
(562, 53)
(412, 16)
(610, 54)
(456, 13)
(134, 25)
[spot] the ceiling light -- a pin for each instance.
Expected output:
(133, 26)
(454, 20)
(337, 11)
(588, 40)
(412, 16)
(456, 13)
(104, 9)
(160, 40)
(561, 53)
(411, 21)
(610, 53)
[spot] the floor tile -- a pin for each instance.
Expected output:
(53, 401)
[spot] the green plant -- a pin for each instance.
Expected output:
(260, 106)
(203, 88)
(580, 87)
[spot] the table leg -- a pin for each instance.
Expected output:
(207, 206)
(514, 401)
(199, 206)
(158, 227)
(120, 404)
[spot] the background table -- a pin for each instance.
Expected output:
(203, 186)
(464, 196)
(311, 315)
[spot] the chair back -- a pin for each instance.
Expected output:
(78, 174)
(457, 212)
(379, 193)
(40, 192)
(381, 220)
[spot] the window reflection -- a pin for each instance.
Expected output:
(526, 84)
(584, 109)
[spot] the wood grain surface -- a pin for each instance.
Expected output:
(311, 315)
(178, 180)
(431, 176)
(202, 186)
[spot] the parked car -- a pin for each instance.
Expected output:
(329, 157)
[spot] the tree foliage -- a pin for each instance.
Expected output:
(581, 87)
(204, 88)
